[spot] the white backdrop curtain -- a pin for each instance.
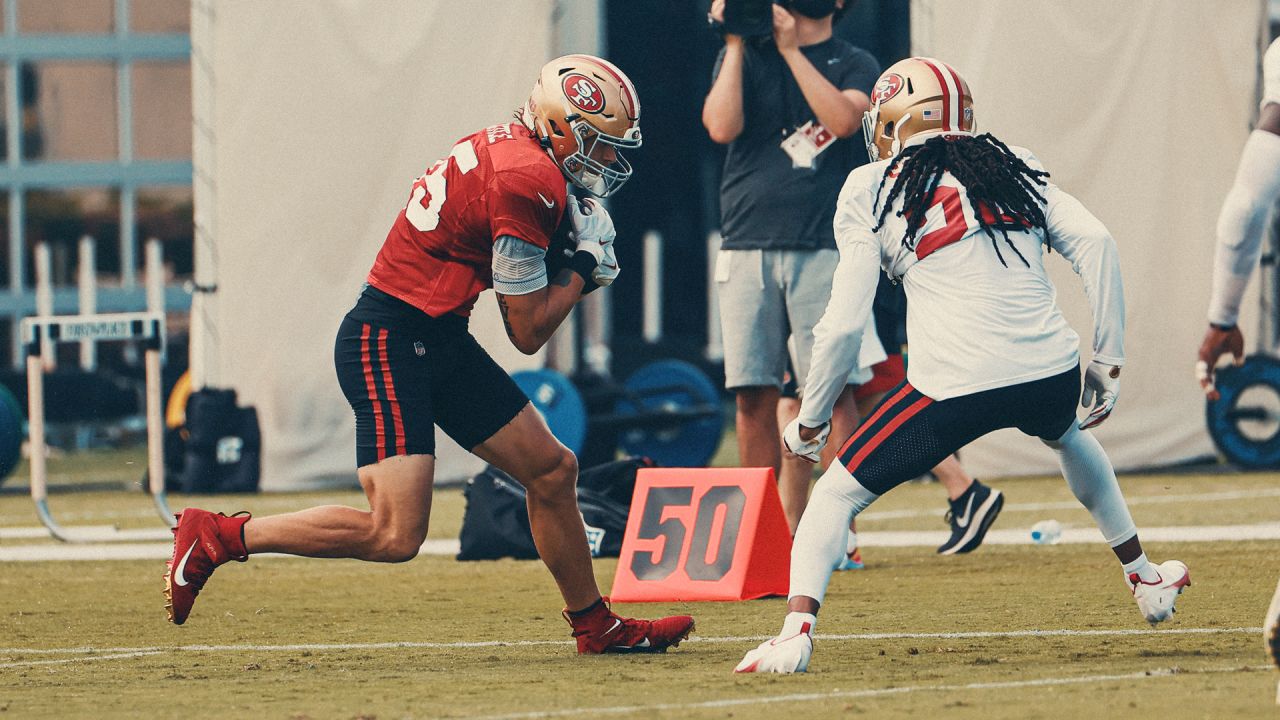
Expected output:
(1140, 109)
(312, 119)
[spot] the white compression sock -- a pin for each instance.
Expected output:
(1143, 568)
(824, 530)
(795, 622)
(1092, 479)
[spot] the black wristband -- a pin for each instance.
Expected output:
(1222, 328)
(583, 263)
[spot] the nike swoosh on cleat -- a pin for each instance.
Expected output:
(963, 520)
(178, 579)
(616, 625)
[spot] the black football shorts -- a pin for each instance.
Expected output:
(404, 373)
(909, 433)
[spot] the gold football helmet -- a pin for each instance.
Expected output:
(585, 111)
(916, 95)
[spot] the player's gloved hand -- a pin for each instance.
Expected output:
(593, 232)
(607, 269)
(793, 437)
(1218, 341)
(1101, 388)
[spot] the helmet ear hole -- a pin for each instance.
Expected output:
(555, 128)
(888, 129)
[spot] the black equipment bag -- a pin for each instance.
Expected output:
(222, 451)
(496, 522)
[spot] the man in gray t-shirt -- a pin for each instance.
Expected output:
(789, 107)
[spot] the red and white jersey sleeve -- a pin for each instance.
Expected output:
(973, 323)
(438, 255)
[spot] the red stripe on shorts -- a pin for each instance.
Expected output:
(397, 423)
(886, 431)
(367, 361)
(875, 417)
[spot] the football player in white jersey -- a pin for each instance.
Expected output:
(964, 222)
(1242, 225)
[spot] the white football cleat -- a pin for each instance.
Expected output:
(1271, 633)
(1156, 599)
(783, 655)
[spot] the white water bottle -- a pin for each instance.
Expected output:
(1046, 532)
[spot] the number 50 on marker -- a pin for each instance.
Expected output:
(703, 534)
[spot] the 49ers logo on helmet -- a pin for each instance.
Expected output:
(583, 92)
(888, 86)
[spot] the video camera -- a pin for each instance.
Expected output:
(748, 18)
(754, 18)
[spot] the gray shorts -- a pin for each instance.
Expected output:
(766, 297)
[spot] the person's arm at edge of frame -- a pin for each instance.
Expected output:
(1240, 231)
(722, 113)
(837, 337)
(839, 111)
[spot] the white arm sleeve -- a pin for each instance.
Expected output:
(518, 267)
(837, 338)
(1085, 242)
(1242, 224)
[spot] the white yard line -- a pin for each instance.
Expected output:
(329, 647)
(870, 693)
(116, 656)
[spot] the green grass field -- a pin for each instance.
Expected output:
(293, 638)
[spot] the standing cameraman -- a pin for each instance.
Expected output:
(787, 100)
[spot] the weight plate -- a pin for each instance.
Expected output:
(678, 389)
(1245, 421)
(11, 432)
(559, 402)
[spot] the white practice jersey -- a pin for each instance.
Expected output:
(974, 322)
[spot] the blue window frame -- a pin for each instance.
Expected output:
(125, 174)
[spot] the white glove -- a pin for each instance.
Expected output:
(592, 226)
(1101, 389)
(607, 269)
(808, 450)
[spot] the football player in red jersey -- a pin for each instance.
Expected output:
(481, 217)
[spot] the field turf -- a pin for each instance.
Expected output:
(1017, 631)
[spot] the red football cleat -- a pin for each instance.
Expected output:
(201, 542)
(603, 631)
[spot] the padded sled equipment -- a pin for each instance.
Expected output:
(1245, 421)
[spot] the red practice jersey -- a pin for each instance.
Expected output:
(438, 256)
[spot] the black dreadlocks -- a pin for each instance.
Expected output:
(994, 178)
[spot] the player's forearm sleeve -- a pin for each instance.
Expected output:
(837, 337)
(1242, 224)
(1085, 242)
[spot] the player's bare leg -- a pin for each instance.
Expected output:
(757, 425)
(952, 477)
(392, 530)
(796, 472)
(526, 450)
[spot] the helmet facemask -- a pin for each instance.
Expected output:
(598, 165)
(585, 112)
